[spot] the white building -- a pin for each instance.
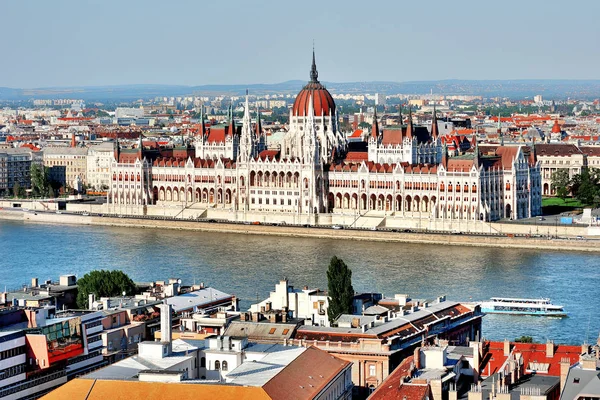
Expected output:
(99, 159)
(402, 173)
(308, 304)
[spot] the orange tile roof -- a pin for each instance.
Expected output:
(306, 376)
(393, 386)
(357, 133)
(89, 389)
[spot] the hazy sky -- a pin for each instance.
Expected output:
(86, 42)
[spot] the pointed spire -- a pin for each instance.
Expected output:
(202, 125)
(140, 147)
(400, 115)
(231, 130)
(409, 124)
(375, 126)
(314, 75)
(434, 126)
(445, 156)
(258, 123)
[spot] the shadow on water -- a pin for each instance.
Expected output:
(250, 265)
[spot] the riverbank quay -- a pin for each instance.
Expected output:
(506, 240)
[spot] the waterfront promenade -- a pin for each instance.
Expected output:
(513, 236)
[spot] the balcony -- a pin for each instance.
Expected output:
(93, 328)
(12, 361)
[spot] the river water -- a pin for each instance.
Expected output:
(249, 266)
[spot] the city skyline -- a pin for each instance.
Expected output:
(73, 44)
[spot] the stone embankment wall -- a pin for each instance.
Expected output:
(289, 231)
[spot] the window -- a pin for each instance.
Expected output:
(372, 370)
(224, 366)
(217, 365)
(203, 362)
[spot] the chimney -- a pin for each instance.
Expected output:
(417, 358)
(166, 325)
(549, 349)
(585, 348)
(476, 359)
(506, 348)
(587, 362)
(268, 306)
(91, 300)
(34, 282)
(565, 364)
(73, 142)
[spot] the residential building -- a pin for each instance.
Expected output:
(15, 166)
(558, 156)
(42, 349)
(267, 371)
(431, 373)
(582, 380)
(377, 344)
(98, 161)
(305, 304)
(68, 165)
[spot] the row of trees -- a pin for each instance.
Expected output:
(585, 186)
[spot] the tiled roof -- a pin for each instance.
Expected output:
(393, 387)
(593, 151)
(562, 150)
(306, 376)
(90, 389)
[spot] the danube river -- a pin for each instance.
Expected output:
(249, 266)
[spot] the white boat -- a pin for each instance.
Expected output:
(507, 305)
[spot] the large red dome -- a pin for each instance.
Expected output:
(323, 103)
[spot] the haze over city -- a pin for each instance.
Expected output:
(72, 43)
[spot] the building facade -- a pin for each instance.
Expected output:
(313, 172)
(15, 166)
(68, 165)
(98, 162)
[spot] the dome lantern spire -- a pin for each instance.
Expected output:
(314, 75)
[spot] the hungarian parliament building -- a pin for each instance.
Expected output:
(316, 176)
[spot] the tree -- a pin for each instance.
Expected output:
(341, 292)
(17, 189)
(524, 339)
(560, 183)
(103, 283)
(364, 125)
(586, 186)
(39, 180)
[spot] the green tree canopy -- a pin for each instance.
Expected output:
(524, 339)
(103, 283)
(341, 292)
(586, 186)
(560, 183)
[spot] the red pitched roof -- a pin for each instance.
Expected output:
(357, 156)
(306, 376)
(357, 133)
(394, 387)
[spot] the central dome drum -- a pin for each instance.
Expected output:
(323, 103)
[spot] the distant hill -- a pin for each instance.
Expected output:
(557, 89)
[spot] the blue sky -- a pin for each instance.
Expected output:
(87, 42)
